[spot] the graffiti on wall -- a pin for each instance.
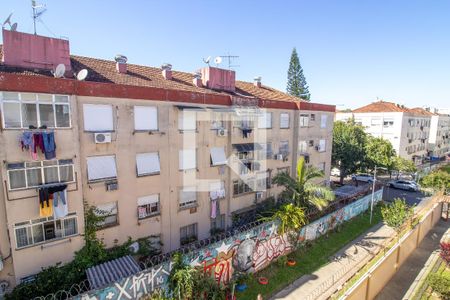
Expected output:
(249, 251)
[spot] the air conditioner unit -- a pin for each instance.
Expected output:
(258, 196)
(102, 138)
(279, 157)
(222, 132)
(112, 186)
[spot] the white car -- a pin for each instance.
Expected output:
(407, 185)
(335, 172)
(362, 177)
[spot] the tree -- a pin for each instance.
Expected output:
(290, 218)
(296, 85)
(438, 180)
(379, 153)
(348, 152)
(404, 165)
(301, 190)
(396, 214)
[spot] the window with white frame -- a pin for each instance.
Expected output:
(22, 110)
(188, 234)
(188, 197)
(187, 159)
(265, 120)
(323, 121)
(98, 117)
(187, 120)
(304, 120)
(302, 146)
(33, 174)
(45, 230)
(284, 148)
(145, 118)
(217, 120)
(147, 164)
(108, 211)
(322, 145)
(266, 151)
(218, 157)
(388, 122)
(148, 206)
(101, 168)
(284, 120)
(242, 187)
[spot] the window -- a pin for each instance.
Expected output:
(44, 230)
(217, 120)
(323, 121)
(241, 187)
(322, 145)
(284, 148)
(311, 143)
(263, 181)
(98, 117)
(147, 164)
(188, 197)
(313, 117)
(22, 110)
(187, 159)
(109, 212)
(218, 157)
(188, 234)
(148, 206)
(388, 123)
(284, 120)
(101, 168)
(304, 120)
(265, 120)
(266, 151)
(375, 121)
(321, 166)
(302, 146)
(145, 118)
(306, 157)
(218, 222)
(187, 120)
(32, 174)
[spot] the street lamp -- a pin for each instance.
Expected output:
(373, 190)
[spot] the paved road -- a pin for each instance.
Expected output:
(410, 197)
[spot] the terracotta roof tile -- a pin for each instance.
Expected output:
(382, 106)
(421, 111)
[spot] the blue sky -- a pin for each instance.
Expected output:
(351, 51)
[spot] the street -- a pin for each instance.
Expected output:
(410, 197)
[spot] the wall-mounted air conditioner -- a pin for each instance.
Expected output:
(222, 132)
(112, 186)
(102, 138)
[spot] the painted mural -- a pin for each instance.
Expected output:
(249, 251)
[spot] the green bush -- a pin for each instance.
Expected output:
(440, 283)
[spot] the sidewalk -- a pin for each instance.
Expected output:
(324, 282)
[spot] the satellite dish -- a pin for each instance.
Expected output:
(207, 60)
(120, 58)
(218, 60)
(82, 75)
(7, 21)
(59, 71)
(14, 27)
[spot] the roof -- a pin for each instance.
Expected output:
(104, 71)
(424, 112)
(382, 106)
(111, 271)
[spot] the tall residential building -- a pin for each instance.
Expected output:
(163, 154)
(439, 142)
(407, 129)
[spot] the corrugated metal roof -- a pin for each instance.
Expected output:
(111, 271)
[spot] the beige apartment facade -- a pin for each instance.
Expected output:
(159, 153)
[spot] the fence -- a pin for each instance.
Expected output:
(247, 251)
(368, 286)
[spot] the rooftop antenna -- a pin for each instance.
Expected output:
(230, 59)
(218, 60)
(38, 10)
(207, 60)
(12, 26)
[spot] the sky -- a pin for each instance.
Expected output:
(352, 52)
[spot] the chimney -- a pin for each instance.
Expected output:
(219, 79)
(257, 81)
(197, 81)
(121, 63)
(167, 71)
(34, 51)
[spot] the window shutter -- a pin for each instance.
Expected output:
(98, 117)
(187, 159)
(145, 118)
(101, 167)
(218, 156)
(146, 200)
(147, 163)
(284, 120)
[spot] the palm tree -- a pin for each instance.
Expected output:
(302, 191)
(290, 218)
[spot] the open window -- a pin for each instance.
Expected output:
(218, 157)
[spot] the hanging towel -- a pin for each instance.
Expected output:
(213, 209)
(49, 145)
(44, 197)
(26, 140)
(46, 210)
(60, 207)
(38, 142)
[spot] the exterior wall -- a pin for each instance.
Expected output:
(23, 205)
(439, 141)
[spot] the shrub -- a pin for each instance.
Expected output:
(440, 283)
(396, 214)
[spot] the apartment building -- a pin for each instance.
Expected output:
(407, 129)
(162, 154)
(439, 141)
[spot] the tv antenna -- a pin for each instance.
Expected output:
(12, 26)
(207, 60)
(38, 10)
(230, 59)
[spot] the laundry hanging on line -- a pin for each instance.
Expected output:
(43, 141)
(53, 201)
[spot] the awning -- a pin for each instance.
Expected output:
(186, 107)
(218, 156)
(247, 147)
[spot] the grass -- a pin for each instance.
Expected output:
(309, 258)
(428, 293)
(446, 168)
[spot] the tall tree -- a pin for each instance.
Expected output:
(348, 153)
(296, 84)
(404, 165)
(380, 153)
(302, 190)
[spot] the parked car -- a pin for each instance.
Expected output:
(407, 185)
(335, 172)
(362, 177)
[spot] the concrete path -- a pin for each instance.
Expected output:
(402, 280)
(322, 283)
